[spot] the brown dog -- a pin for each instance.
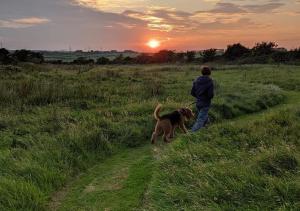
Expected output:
(167, 124)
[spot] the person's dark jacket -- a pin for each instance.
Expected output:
(203, 90)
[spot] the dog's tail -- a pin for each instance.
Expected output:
(156, 112)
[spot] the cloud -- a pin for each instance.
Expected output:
(231, 8)
(167, 19)
(172, 20)
(228, 8)
(270, 7)
(111, 5)
(221, 18)
(23, 22)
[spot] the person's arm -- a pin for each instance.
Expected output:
(210, 91)
(193, 91)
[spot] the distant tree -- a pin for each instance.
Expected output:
(180, 57)
(143, 59)
(281, 57)
(83, 61)
(164, 56)
(21, 55)
(59, 61)
(209, 55)
(264, 48)
(5, 56)
(28, 56)
(128, 60)
(191, 55)
(3, 53)
(235, 51)
(103, 60)
(295, 53)
(119, 59)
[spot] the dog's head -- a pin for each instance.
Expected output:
(187, 113)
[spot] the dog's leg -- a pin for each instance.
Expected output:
(166, 138)
(183, 128)
(156, 133)
(167, 130)
(173, 132)
(154, 137)
(167, 133)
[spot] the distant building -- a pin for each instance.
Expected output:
(280, 49)
(220, 52)
(129, 51)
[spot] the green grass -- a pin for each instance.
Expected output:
(58, 121)
(70, 56)
(250, 163)
(117, 184)
(242, 165)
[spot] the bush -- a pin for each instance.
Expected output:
(103, 61)
(209, 55)
(5, 57)
(83, 61)
(235, 51)
(264, 48)
(28, 56)
(281, 57)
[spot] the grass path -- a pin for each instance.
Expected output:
(292, 99)
(120, 182)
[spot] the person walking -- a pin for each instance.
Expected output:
(203, 91)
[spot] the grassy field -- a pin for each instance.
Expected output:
(58, 123)
(241, 165)
(66, 56)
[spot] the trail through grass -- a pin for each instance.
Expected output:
(58, 121)
(121, 182)
(118, 183)
(249, 163)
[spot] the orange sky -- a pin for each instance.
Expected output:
(130, 24)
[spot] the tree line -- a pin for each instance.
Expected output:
(264, 52)
(7, 57)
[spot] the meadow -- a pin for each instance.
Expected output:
(66, 56)
(64, 123)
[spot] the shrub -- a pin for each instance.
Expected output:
(103, 61)
(28, 56)
(209, 55)
(5, 57)
(235, 51)
(264, 48)
(191, 55)
(281, 57)
(83, 61)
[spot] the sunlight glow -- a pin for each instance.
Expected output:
(153, 43)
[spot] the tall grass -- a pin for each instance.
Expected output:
(240, 166)
(56, 121)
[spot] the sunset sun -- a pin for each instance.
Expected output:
(153, 43)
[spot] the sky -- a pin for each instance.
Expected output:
(130, 24)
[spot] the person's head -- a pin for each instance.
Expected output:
(206, 71)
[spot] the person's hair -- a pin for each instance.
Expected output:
(206, 70)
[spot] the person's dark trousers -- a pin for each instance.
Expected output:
(202, 118)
